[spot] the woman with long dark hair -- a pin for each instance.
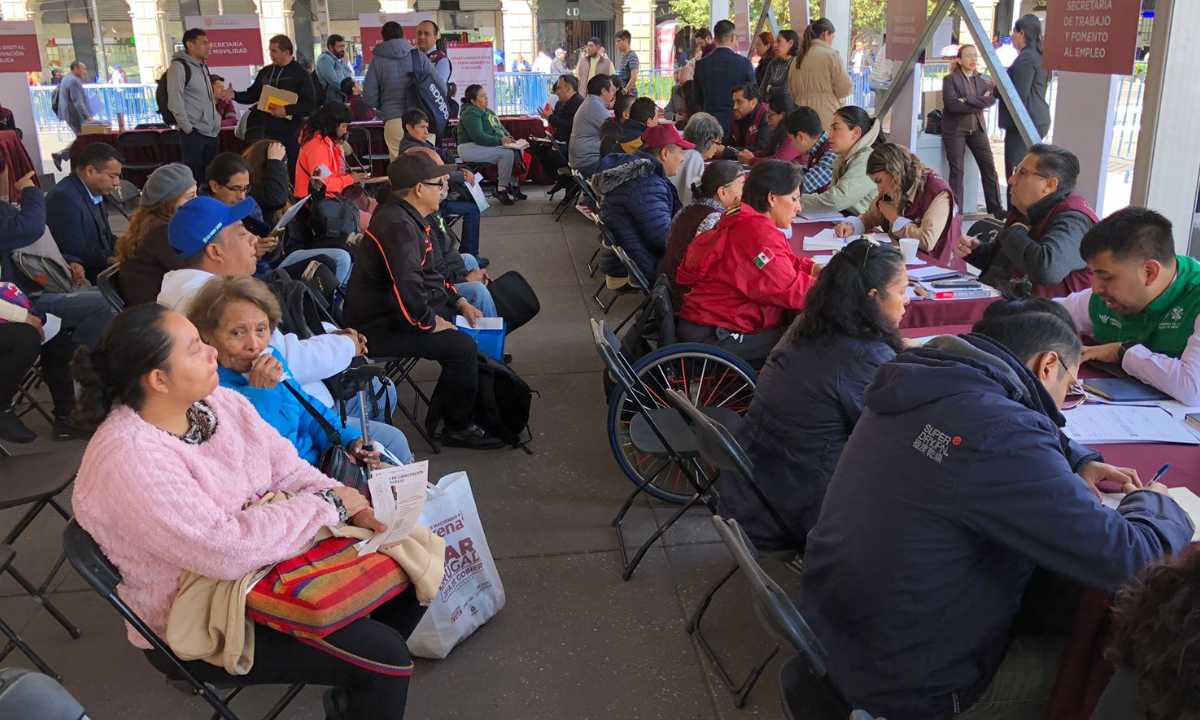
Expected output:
(779, 146)
(853, 134)
(744, 279)
(143, 250)
(718, 191)
(764, 45)
(810, 392)
(321, 154)
(783, 56)
(482, 138)
(818, 77)
(1032, 82)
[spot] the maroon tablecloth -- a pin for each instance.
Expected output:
(920, 313)
(19, 162)
(163, 154)
(1084, 673)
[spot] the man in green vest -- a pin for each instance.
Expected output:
(1144, 302)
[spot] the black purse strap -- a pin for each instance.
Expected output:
(331, 433)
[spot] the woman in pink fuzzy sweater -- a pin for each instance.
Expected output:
(164, 487)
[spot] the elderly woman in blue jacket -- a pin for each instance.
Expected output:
(638, 199)
(236, 315)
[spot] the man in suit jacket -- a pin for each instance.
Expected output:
(718, 74)
(75, 211)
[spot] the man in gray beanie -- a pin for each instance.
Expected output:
(143, 251)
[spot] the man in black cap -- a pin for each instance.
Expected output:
(397, 297)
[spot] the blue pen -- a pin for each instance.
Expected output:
(1161, 471)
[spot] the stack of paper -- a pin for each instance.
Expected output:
(1105, 424)
(521, 144)
(398, 497)
(824, 240)
(821, 216)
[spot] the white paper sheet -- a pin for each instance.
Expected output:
(477, 194)
(1102, 424)
(1186, 499)
(398, 497)
(931, 271)
(821, 216)
(51, 327)
(484, 323)
(824, 240)
(521, 144)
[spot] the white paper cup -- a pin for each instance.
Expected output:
(908, 248)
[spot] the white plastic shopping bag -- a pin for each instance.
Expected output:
(471, 593)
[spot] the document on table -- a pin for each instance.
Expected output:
(483, 323)
(821, 216)
(1105, 424)
(824, 240)
(398, 497)
(1186, 499)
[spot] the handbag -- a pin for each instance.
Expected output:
(335, 462)
(515, 299)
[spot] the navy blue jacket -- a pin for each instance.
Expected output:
(79, 226)
(20, 228)
(637, 203)
(716, 77)
(955, 485)
(809, 397)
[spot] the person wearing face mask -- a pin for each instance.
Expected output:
(965, 95)
(930, 558)
(321, 155)
(1143, 307)
(717, 191)
(810, 392)
(852, 135)
(742, 275)
(331, 69)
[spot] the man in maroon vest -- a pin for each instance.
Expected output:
(1046, 222)
(427, 37)
(750, 130)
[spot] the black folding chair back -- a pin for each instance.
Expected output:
(15, 642)
(654, 326)
(110, 286)
(124, 198)
(27, 694)
(94, 567)
(782, 620)
(145, 141)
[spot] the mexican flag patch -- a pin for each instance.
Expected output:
(764, 257)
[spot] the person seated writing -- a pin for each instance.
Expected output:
(1046, 223)
(416, 134)
(144, 252)
(397, 295)
(237, 315)
(742, 276)
(637, 200)
(482, 138)
(750, 130)
(718, 191)
(811, 141)
(852, 135)
(152, 387)
(914, 577)
(779, 145)
(913, 202)
(810, 393)
(1143, 307)
(321, 154)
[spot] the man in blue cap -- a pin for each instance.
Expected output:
(212, 240)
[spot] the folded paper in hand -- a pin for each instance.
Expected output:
(398, 497)
(273, 97)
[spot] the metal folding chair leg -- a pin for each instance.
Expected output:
(16, 643)
(569, 198)
(702, 495)
(633, 313)
(400, 371)
(593, 265)
(596, 296)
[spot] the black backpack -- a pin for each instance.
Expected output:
(54, 99)
(515, 300)
(160, 92)
(318, 89)
(502, 404)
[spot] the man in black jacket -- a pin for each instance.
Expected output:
(282, 122)
(398, 298)
(718, 74)
(561, 120)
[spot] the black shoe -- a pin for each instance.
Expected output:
(504, 197)
(472, 437)
(507, 358)
(335, 704)
(13, 430)
(516, 192)
(57, 161)
(483, 262)
(64, 429)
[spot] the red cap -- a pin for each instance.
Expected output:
(662, 135)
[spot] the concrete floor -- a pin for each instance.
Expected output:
(574, 641)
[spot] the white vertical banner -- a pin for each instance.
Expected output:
(19, 55)
(473, 66)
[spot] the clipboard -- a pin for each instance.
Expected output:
(288, 216)
(273, 97)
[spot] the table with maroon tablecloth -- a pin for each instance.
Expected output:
(18, 160)
(920, 313)
(1083, 673)
(161, 153)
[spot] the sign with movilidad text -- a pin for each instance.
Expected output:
(19, 47)
(905, 21)
(233, 40)
(1091, 36)
(371, 27)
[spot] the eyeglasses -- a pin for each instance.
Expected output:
(441, 184)
(1021, 172)
(1076, 395)
(238, 189)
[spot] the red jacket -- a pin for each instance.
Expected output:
(743, 275)
(318, 151)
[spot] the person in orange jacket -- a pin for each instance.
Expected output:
(745, 280)
(321, 154)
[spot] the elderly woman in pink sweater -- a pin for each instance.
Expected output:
(165, 486)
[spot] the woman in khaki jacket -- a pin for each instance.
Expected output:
(818, 78)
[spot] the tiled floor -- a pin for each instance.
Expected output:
(574, 641)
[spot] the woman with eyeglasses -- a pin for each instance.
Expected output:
(143, 251)
(718, 191)
(810, 392)
(966, 93)
(744, 280)
(780, 145)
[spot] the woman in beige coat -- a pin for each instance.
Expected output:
(818, 78)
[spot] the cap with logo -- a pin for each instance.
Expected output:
(662, 135)
(408, 170)
(201, 220)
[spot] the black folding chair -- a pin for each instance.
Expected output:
(33, 378)
(171, 144)
(399, 370)
(124, 197)
(660, 432)
(110, 286)
(89, 561)
(14, 640)
(719, 448)
(27, 694)
(141, 142)
(805, 689)
(636, 280)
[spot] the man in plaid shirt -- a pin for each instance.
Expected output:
(804, 125)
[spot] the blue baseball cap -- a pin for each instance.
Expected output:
(200, 220)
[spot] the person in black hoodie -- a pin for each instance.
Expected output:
(282, 123)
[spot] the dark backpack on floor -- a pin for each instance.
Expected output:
(502, 404)
(160, 92)
(515, 300)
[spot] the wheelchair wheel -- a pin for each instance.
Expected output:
(708, 375)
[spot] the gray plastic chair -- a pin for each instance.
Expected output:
(27, 694)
